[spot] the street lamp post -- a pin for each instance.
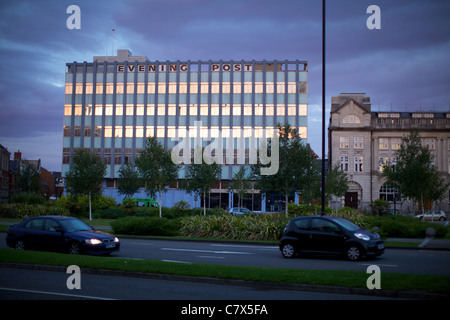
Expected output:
(323, 107)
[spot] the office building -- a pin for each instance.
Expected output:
(114, 103)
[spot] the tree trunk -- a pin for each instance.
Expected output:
(204, 203)
(286, 204)
(90, 208)
(160, 207)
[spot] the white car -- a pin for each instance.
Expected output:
(432, 215)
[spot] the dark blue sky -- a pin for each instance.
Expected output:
(405, 65)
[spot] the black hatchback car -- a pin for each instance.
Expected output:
(326, 234)
(60, 233)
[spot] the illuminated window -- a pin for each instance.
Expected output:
(384, 144)
(203, 110)
(99, 88)
(193, 88)
(183, 87)
(79, 88)
(204, 87)
(281, 88)
(259, 87)
(343, 142)
(226, 87)
(225, 110)
(171, 132)
(172, 110)
(215, 110)
(172, 87)
(150, 110)
(259, 110)
(108, 131)
(161, 110)
(129, 110)
(247, 110)
(119, 110)
(139, 131)
(150, 131)
(119, 88)
(130, 88)
(182, 110)
(161, 88)
(358, 142)
(160, 131)
(280, 110)
(140, 88)
(269, 87)
(292, 110)
(248, 87)
(108, 110)
(269, 110)
(129, 131)
(140, 110)
(237, 87)
(69, 88)
(109, 88)
(236, 110)
(193, 109)
(395, 143)
(351, 119)
(358, 162)
(151, 88)
(98, 110)
(118, 132)
(67, 110)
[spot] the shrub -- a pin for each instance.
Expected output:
(19, 210)
(27, 198)
(145, 226)
(245, 227)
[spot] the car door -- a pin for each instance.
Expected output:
(34, 233)
(301, 232)
(325, 236)
(53, 237)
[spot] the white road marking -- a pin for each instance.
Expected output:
(380, 265)
(206, 251)
(56, 294)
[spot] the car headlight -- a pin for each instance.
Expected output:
(93, 241)
(362, 236)
(116, 239)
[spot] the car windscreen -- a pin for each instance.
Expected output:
(71, 225)
(350, 226)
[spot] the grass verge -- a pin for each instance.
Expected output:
(340, 278)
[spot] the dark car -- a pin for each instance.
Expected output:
(330, 235)
(60, 233)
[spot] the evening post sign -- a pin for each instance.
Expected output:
(182, 67)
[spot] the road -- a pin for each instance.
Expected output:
(394, 260)
(25, 284)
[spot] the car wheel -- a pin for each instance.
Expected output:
(74, 248)
(441, 219)
(354, 253)
(20, 245)
(288, 250)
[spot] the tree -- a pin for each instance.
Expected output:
(413, 173)
(156, 169)
(29, 179)
(335, 183)
(240, 184)
(86, 175)
(129, 181)
(295, 168)
(200, 178)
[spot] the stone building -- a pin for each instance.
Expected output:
(361, 141)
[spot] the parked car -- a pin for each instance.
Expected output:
(238, 211)
(329, 235)
(432, 215)
(60, 233)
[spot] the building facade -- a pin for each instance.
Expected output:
(114, 103)
(362, 141)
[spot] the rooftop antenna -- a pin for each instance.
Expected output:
(112, 51)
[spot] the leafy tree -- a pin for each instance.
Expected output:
(413, 173)
(86, 175)
(295, 168)
(200, 177)
(29, 179)
(240, 184)
(129, 181)
(335, 183)
(156, 169)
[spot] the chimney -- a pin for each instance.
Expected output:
(18, 155)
